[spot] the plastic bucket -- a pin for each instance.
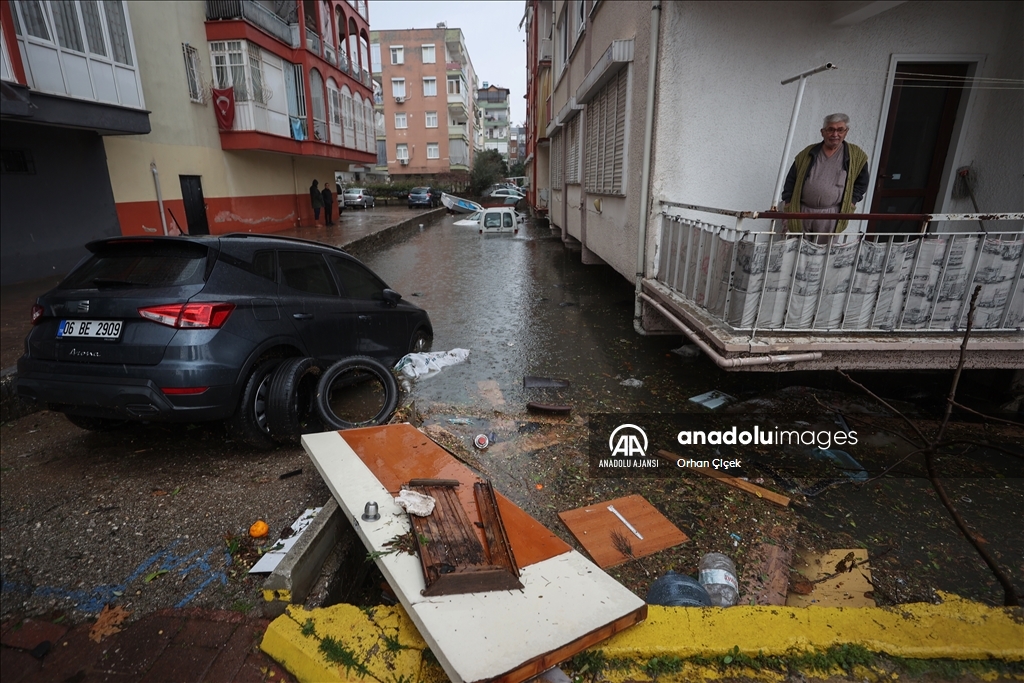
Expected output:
(678, 590)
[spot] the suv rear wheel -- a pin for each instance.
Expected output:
(249, 423)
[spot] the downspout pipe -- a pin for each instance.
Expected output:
(159, 196)
(645, 167)
(720, 360)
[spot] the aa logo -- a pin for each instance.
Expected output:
(629, 441)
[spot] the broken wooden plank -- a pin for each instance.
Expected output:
(594, 525)
(498, 550)
(452, 556)
(732, 481)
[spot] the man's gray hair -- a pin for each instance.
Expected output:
(834, 118)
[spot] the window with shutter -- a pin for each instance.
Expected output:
(556, 160)
(606, 138)
(572, 170)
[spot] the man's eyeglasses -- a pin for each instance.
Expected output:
(836, 130)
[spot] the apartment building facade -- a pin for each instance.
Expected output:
(494, 112)
(153, 118)
(70, 79)
(426, 111)
(539, 42)
(664, 159)
(251, 102)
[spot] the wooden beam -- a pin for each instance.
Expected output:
(732, 481)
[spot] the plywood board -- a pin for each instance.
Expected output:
(567, 604)
(835, 583)
(594, 526)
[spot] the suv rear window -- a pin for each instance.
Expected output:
(140, 264)
(419, 190)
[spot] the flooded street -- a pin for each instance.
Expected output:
(525, 305)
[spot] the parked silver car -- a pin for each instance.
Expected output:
(358, 196)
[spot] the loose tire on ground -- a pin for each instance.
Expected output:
(291, 398)
(249, 423)
(356, 392)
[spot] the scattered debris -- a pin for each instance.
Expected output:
(548, 408)
(459, 421)
(272, 557)
(730, 480)
(631, 382)
(293, 473)
(415, 503)
(838, 578)
(481, 441)
(531, 382)
(259, 529)
(108, 623)
(844, 461)
(687, 351)
(712, 400)
(421, 365)
(678, 590)
(593, 527)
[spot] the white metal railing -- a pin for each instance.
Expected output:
(733, 266)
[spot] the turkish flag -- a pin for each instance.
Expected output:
(224, 107)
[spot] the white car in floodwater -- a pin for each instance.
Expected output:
(499, 219)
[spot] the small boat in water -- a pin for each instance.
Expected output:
(459, 205)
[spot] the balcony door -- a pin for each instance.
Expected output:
(918, 131)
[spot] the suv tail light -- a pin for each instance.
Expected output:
(191, 316)
(37, 313)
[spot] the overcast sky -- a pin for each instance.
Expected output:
(496, 44)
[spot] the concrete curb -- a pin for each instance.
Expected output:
(681, 637)
(397, 231)
(292, 580)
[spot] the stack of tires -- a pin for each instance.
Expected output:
(286, 398)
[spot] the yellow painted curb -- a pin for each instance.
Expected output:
(956, 629)
(383, 639)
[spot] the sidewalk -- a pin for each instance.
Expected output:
(169, 645)
(356, 231)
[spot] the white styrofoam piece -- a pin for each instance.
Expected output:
(563, 599)
(272, 558)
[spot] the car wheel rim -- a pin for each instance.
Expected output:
(260, 405)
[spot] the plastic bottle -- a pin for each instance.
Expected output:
(718, 576)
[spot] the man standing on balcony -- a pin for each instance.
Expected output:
(316, 199)
(828, 177)
(328, 204)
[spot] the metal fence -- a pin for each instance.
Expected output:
(750, 279)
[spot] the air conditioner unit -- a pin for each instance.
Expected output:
(403, 162)
(399, 99)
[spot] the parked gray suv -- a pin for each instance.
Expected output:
(190, 329)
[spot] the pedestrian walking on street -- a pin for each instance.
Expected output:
(328, 204)
(316, 199)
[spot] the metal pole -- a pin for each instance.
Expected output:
(792, 127)
(159, 195)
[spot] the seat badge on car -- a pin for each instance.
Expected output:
(77, 306)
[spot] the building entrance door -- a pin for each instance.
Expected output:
(918, 130)
(195, 205)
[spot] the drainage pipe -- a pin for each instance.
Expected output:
(645, 167)
(159, 195)
(720, 360)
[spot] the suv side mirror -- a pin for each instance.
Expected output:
(392, 297)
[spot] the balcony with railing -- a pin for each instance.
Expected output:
(459, 132)
(284, 28)
(755, 297)
(313, 41)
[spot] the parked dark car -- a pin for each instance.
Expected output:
(424, 196)
(358, 196)
(190, 329)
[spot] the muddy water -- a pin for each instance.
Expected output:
(525, 305)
